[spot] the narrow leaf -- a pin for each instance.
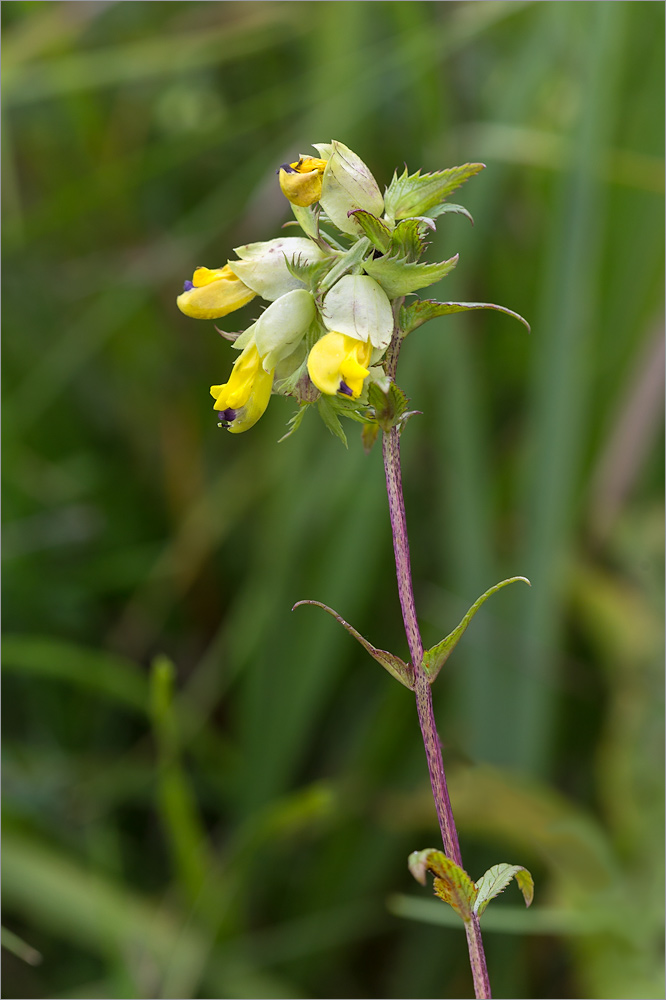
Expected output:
(346, 261)
(495, 881)
(420, 312)
(435, 657)
(309, 272)
(414, 194)
(447, 206)
(451, 883)
(395, 666)
(377, 231)
(331, 419)
(398, 276)
(295, 421)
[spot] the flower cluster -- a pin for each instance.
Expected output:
(335, 294)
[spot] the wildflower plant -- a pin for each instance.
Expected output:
(340, 308)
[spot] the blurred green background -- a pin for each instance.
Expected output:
(205, 795)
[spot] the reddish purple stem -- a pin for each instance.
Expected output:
(433, 750)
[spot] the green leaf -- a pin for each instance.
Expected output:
(398, 276)
(309, 272)
(395, 666)
(349, 408)
(418, 313)
(448, 206)
(495, 881)
(414, 194)
(346, 261)
(308, 219)
(329, 415)
(408, 238)
(295, 421)
(435, 657)
(388, 406)
(451, 883)
(377, 231)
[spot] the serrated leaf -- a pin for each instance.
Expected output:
(414, 194)
(408, 238)
(395, 666)
(309, 272)
(435, 657)
(388, 406)
(377, 231)
(345, 262)
(295, 421)
(526, 885)
(447, 206)
(398, 276)
(330, 417)
(495, 881)
(418, 313)
(451, 883)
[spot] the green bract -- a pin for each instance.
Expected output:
(345, 281)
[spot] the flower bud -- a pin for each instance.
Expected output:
(338, 364)
(243, 399)
(213, 293)
(347, 185)
(263, 266)
(279, 329)
(301, 181)
(359, 307)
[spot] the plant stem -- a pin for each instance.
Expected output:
(433, 751)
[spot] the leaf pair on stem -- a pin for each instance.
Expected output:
(433, 658)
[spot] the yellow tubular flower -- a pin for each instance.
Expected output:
(244, 398)
(213, 292)
(338, 364)
(301, 181)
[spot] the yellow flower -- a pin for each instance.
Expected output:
(244, 398)
(213, 292)
(338, 364)
(301, 181)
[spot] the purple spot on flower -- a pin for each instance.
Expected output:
(227, 416)
(187, 286)
(344, 388)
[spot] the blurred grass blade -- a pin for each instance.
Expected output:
(561, 385)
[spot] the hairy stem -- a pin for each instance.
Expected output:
(422, 689)
(433, 751)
